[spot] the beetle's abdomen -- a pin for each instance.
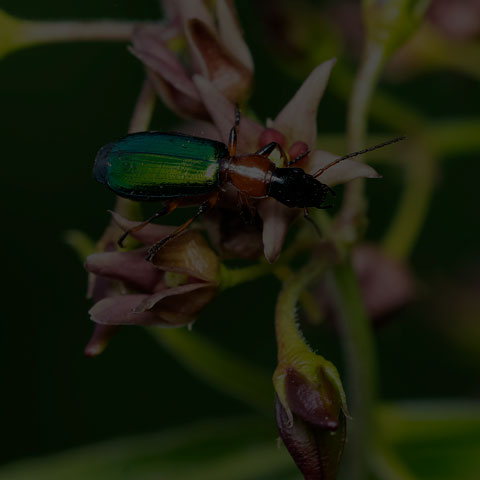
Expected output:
(158, 166)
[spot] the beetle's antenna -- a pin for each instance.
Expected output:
(360, 152)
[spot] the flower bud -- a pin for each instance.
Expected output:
(316, 451)
(310, 416)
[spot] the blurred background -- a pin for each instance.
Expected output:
(60, 103)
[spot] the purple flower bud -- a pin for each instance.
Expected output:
(315, 450)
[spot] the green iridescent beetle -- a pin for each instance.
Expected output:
(155, 166)
(181, 170)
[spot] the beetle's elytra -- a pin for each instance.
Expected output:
(182, 170)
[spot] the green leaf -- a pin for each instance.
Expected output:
(218, 367)
(234, 449)
(435, 440)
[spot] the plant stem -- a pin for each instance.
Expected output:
(291, 344)
(231, 277)
(453, 136)
(218, 367)
(358, 345)
(409, 218)
(143, 111)
(353, 210)
(386, 466)
(35, 33)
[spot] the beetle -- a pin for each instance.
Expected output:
(182, 170)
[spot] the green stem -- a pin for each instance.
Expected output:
(425, 420)
(291, 344)
(231, 277)
(385, 465)
(433, 50)
(352, 215)
(384, 108)
(453, 136)
(218, 367)
(358, 344)
(410, 216)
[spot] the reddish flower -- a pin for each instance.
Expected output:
(217, 53)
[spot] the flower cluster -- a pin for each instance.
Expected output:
(200, 66)
(220, 74)
(168, 292)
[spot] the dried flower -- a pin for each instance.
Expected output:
(167, 292)
(217, 53)
(295, 129)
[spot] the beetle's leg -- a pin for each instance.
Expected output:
(248, 210)
(169, 207)
(232, 139)
(269, 148)
(298, 158)
(204, 207)
(307, 216)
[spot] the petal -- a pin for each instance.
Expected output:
(189, 9)
(183, 299)
(276, 220)
(179, 103)
(231, 33)
(215, 62)
(222, 112)
(154, 53)
(100, 338)
(129, 267)
(120, 311)
(182, 105)
(298, 119)
(148, 235)
(341, 172)
(189, 254)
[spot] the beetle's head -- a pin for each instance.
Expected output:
(296, 188)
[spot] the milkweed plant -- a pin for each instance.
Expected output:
(198, 64)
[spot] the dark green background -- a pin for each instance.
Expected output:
(58, 105)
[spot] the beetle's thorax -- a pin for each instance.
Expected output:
(250, 174)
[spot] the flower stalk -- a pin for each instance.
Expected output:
(310, 403)
(16, 33)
